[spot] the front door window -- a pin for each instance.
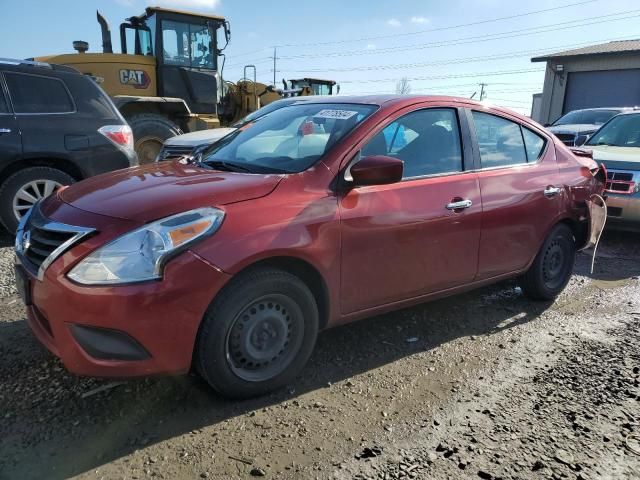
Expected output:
(187, 45)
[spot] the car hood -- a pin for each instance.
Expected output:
(624, 158)
(158, 190)
(574, 129)
(201, 137)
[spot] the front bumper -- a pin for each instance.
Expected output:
(623, 211)
(131, 330)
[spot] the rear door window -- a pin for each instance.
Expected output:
(500, 141)
(534, 144)
(38, 94)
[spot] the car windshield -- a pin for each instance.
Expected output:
(621, 131)
(261, 112)
(288, 140)
(587, 117)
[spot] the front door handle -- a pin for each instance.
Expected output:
(4, 130)
(459, 205)
(551, 191)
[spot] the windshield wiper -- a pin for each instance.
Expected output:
(228, 166)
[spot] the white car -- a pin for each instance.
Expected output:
(617, 145)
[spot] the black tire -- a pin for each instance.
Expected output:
(21, 180)
(258, 334)
(149, 133)
(551, 270)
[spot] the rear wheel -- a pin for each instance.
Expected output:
(149, 133)
(258, 334)
(551, 270)
(23, 189)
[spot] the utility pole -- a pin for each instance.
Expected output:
(482, 94)
(275, 57)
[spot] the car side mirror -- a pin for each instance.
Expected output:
(546, 125)
(376, 170)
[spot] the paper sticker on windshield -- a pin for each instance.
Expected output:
(335, 114)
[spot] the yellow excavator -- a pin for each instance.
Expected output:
(167, 79)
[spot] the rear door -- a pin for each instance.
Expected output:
(404, 240)
(521, 197)
(43, 107)
(10, 139)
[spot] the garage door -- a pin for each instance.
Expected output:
(607, 88)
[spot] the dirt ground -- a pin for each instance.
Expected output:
(482, 385)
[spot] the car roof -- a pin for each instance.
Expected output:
(32, 66)
(389, 99)
(595, 109)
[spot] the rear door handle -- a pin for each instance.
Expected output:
(551, 191)
(4, 130)
(459, 205)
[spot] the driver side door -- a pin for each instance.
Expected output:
(404, 240)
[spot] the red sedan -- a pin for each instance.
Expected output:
(316, 215)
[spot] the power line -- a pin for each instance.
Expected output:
(455, 75)
(458, 85)
(439, 29)
(451, 61)
(476, 38)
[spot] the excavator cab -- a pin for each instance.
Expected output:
(186, 49)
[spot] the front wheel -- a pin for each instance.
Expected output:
(551, 270)
(258, 334)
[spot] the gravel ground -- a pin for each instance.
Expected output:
(481, 385)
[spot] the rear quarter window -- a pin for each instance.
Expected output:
(90, 98)
(38, 94)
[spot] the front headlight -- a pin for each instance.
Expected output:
(139, 255)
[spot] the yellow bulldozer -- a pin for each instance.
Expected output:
(167, 79)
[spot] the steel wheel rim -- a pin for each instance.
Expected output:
(30, 193)
(554, 265)
(148, 149)
(264, 338)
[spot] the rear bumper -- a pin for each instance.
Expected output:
(125, 331)
(103, 159)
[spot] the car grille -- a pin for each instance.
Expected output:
(621, 182)
(39, 240)
(174, 151)
(568, 139)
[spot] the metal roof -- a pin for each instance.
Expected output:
(615, 47)
(150, 10)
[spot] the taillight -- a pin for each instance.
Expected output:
(120, 135)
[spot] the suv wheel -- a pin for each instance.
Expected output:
(149, 133)
(23, 189)
(258, 334)
(551, 270)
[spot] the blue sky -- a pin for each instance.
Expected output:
(365, 46)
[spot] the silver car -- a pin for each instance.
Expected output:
(617, 145)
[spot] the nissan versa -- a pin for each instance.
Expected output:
(318, 214)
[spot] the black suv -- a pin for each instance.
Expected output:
(57, 126)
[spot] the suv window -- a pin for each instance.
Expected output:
(37, 94)
(4, 107)
(427, 141)
(500, 141)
